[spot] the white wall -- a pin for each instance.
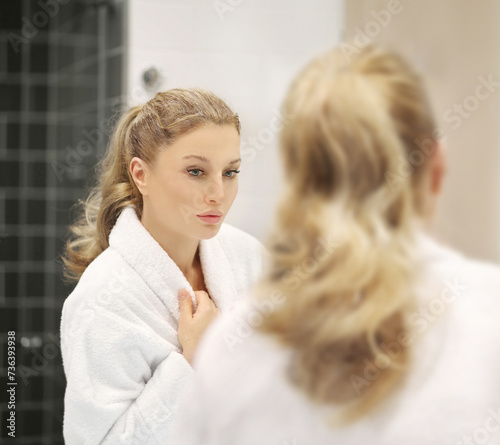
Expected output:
(247, 54)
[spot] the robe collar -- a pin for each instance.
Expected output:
(162, 275)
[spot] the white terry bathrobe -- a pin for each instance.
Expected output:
(121, 354)
(242, 396)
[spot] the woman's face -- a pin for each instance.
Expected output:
(191, 185)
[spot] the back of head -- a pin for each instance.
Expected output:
(342, 251)
(143, 131)
(355, 122)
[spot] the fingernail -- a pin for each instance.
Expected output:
(183, 293)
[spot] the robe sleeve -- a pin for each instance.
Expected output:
(124, 381)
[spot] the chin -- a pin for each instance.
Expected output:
(210, 231)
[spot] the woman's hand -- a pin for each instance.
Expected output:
(193, 325)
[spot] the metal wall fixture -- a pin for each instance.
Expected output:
(152, 79)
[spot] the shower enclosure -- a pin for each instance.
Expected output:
(61, 84)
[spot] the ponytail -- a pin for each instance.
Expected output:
(342, 250)
(101, 209)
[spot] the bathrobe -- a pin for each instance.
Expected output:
(121, 355)
(450, 396)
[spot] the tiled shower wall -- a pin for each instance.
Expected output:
(61, 80)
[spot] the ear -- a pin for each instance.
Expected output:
(139, 172)
(437, 166)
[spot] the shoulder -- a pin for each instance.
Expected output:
(472, 285)
(448, 263)
(109, 286)
(108, 271)
(480, 282)
(112, 304)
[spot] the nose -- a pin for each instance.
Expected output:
(214, 192)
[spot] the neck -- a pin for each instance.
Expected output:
(182, 250)
(427, 216)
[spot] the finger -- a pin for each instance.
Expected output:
(185, 304)
(202, 298)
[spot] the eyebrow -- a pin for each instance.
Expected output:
(202, 158)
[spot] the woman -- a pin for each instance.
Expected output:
(364, 330)
(153, 228)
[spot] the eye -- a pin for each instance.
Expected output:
(231, 173)
(195, 172)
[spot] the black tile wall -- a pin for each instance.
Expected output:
(51, 99)
(10, 15)
(37, 174)
(8, 318)
(9, 174)
(13, 58)
(113, 84)
(35, 248)
(35, 212)
(39, 58)
(11, 281)
(115, 29)
(10, 248)
(35, 284)
(37, 136)
(38, 98)
(62, 210)
(11, 207)
(13, 135)
(34, 391)
(35, 318)
(10, 97)
(31, 423)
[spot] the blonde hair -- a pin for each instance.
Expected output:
(342, 251)
(143, 131)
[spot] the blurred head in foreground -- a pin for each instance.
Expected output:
(363, 168)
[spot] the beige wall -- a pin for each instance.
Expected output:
(453, 42)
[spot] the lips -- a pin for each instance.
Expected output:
(210, 217)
